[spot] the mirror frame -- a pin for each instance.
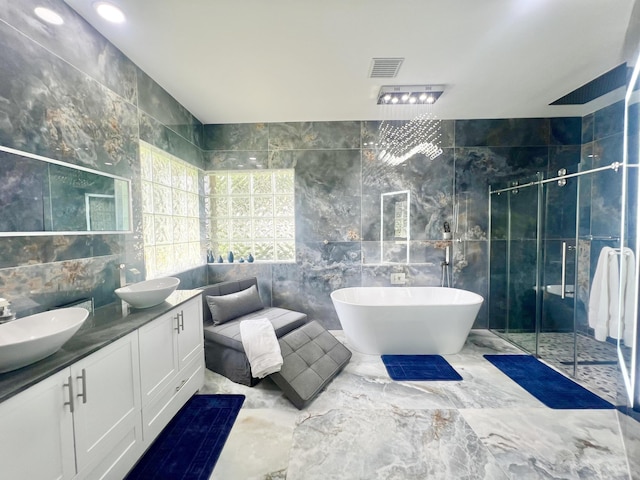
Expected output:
(127, 182)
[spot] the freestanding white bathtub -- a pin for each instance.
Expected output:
(406, 320)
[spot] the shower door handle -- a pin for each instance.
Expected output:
(563, 279)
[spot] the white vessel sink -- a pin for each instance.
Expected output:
(148, 293)
(29, 339)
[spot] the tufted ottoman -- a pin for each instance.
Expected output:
(312, 357)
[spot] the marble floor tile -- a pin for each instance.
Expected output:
(392, 444)
(364, 425)
(552, 444)
(258, 446)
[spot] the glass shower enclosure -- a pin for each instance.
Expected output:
(546, 235)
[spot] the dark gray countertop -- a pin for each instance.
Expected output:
(106, 325)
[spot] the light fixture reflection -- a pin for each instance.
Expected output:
(109, 12)
(48, 15)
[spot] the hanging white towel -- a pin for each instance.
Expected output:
(600, 304)
(628, 276)
(261, 346)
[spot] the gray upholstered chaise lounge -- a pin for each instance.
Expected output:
(223, 348)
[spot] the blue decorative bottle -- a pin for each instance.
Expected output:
(220, 260)
(230, 257)
(250, 258)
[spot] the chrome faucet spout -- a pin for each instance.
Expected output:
(123, 274)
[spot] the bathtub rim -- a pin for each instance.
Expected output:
(474, 298)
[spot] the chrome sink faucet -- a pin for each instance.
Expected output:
(123, 275)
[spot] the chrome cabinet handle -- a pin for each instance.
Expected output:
(179, 387)
(177, 327)
(181, 317)
(70, 385)
(83, 377)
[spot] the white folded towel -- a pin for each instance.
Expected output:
(261, 346)
(602, 301)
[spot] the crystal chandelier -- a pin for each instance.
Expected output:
(400, 140)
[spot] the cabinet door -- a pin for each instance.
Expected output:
(158, 355)
(190, 335)
(107, 421)
(36, 432)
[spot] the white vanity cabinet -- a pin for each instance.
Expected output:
(94, 419)
(36, 438)
(83, 422)
(171, 364)
(107, 420)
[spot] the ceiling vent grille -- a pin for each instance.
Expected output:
(385, 67)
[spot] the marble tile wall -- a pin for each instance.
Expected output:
(68, 94)
(339, 180)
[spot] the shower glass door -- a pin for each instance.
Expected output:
(556, 341)
(514, 259)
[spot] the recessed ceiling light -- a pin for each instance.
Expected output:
(48, 15)
(109, 12)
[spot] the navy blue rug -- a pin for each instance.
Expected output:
(419, 367)
(543, 382)
(190, 445)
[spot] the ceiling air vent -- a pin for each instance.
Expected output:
(385, 67)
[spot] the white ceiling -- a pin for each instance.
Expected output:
(237, 61)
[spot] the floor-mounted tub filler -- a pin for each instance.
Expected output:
(406, 320)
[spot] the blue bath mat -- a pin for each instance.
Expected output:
(189, 446)
(543, 382)
(419, 367)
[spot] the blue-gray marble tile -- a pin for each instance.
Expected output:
(565, 131)
(22, 251)
(163, 137)
(425, 275)
(502, 132)
(609, 121)
(320, 269)
(477, 168)
(39, 287)
(192, 278)
(54, 110)
(282, 158)
(159, 104)
(314, 135)
(470, 267)
(236, 136)
(430, 183)
(561, 203)
(236, 159)
(327, 186)
(567, 157)
(76, 42)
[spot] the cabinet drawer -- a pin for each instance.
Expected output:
(170, 399)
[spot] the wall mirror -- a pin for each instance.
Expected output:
(395, 226)
(42, 196)
(630, 237)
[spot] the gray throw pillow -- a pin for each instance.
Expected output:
(227, 307)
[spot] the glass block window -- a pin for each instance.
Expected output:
(252, 211)
(170, 211)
